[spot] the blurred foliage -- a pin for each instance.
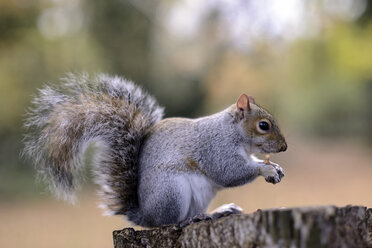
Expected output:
(123, 35)
(197, 62)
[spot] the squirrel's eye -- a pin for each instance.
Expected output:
(263, 126)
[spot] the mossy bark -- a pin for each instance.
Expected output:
(326, 226)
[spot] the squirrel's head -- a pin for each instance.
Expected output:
(259, 125)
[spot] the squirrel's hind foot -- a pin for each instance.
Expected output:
(225, 210)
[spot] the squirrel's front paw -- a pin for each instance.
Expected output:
(272, 172)
(279, 170)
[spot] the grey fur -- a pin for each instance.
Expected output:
(110, 113)
(221, 151)
(154, 172)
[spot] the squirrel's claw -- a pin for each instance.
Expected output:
(281, 173)
(272, 180)
(279, 170)
(194, 219)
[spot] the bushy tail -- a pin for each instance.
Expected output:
(111, 113)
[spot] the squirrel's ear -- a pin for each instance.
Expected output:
(243, 103)
(251, 99)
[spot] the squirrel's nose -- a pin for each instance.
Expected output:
(283, 147)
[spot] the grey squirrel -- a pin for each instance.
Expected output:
(155, 171)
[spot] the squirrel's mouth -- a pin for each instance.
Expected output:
(271, 147)
(265, 151)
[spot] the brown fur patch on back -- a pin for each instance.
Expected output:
(192, 164)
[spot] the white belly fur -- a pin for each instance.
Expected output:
(199, 191)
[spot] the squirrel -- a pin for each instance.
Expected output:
(154, 171)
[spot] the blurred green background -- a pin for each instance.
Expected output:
(308, 61)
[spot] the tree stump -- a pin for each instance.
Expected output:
(326, 226)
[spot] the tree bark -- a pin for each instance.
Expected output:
(326, 226)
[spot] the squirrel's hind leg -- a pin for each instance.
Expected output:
(164, 200)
